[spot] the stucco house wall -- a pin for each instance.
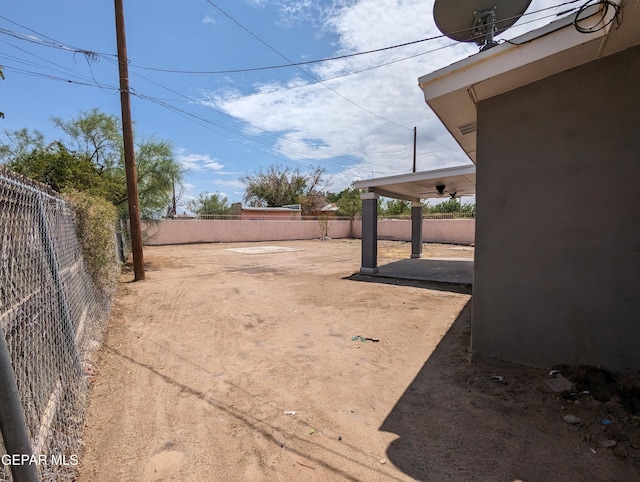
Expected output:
(557, 261)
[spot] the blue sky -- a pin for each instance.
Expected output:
(353, 116)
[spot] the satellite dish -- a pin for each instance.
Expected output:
(477, 20)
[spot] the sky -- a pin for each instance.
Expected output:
(215, 79)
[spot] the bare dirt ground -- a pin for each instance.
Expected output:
(227, 366)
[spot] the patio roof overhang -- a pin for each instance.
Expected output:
(453, 92)
(457, 181)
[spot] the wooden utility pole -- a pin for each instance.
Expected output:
(415, 132)
(129, 152)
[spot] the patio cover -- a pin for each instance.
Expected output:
(457, 181)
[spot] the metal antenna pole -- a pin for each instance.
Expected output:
(415, 130)
(129, 153)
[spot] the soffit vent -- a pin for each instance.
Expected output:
(467, 128)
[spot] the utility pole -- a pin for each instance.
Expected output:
(129, 153)
(415, 131)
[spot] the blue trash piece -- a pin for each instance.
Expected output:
(606, 421)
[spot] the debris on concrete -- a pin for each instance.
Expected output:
(609, 443)
(499, 379)
(290, 412)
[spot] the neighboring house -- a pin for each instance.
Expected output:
(293, 211)
(551, 119)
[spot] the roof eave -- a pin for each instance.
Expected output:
(453, 92)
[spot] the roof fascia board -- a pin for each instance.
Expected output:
(538, 44)
(416, 176)
(394, 195)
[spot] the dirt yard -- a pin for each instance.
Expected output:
(241, 366)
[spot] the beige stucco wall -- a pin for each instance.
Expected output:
(454, 231)
(557, 261)
(450, 231)
(222, 231)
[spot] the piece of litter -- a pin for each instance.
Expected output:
(290, 412)
(554, 373)
(383, 461)
(572, 419)
(606, 421)
(312, 431)
(594, 451)
(499, 379)
(363, 338)
(339, 437)
(609, 443)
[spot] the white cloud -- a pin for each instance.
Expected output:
(209, 20)
(198, 162)
(358, 125)
(230, 183)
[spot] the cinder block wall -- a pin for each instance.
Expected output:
(557, 260)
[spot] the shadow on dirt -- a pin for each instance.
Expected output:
(427, 285)
(459, 421)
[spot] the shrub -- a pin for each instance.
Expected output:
(95, 225)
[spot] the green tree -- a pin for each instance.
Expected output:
(278, 186)
(348, 201)
(396, 207)
(451, 206)
(19, 143)
(94, 139)
(209, 204)
(56, 166)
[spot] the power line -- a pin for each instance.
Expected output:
(355, 104)
(289, 65)
(50, 42)
(94, 57)
(337, 57)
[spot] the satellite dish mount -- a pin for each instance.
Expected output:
(484, 28)
(477, 21)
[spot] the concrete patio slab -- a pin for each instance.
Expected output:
(440, 270)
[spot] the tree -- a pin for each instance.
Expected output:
(56, 166)
(348, 201)
(279, 186)
(396, 207)
(94, 139)
(19, 143)
(209, 204)
(451, 206)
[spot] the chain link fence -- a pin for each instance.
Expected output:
(52, 316)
